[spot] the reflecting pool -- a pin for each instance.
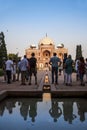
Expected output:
(43, 114)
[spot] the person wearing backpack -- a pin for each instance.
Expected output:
(33, 68)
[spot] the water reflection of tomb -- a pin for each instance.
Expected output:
(67, 109)
(45, 50)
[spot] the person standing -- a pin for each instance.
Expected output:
(64, 60)
(33, 68)
(14, 71)
(9, 66)
(23, 68)
(86, 69)
(18, 69)
(54, 63)
(81, 69)
(68, 70)
(76, 69)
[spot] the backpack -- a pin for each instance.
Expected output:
(32, 62)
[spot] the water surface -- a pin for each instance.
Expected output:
(43, 114)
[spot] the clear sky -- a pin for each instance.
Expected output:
(26, 22)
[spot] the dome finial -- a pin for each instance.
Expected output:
(46, 34)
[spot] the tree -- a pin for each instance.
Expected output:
(3, 49)
(78, 51)
(14, 56)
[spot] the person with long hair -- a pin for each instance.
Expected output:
(81, 68)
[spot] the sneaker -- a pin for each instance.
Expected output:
(56, 83)
(29, 83)
(22, 84)
(83, 84)
(66, 84)
(36, 83)
(70, 84)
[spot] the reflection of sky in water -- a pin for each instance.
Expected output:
(17, 114)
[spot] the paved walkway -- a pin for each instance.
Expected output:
(15, 89)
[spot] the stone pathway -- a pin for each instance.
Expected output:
(15, 89)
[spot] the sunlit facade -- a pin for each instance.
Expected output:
(45, 50)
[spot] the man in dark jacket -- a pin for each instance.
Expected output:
(33, 68)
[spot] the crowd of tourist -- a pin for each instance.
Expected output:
(28, 67)
(80, 68)
(25, 68)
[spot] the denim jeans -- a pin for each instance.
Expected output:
(8, 72)
(55, 74)
(81, 77)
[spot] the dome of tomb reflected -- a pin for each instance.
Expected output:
(46, 41)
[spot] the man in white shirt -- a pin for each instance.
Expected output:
(9, 65)
(23, 68)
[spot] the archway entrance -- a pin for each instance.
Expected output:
(46, 58)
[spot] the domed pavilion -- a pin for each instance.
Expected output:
(45, 50)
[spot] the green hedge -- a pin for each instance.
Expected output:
(1, 72)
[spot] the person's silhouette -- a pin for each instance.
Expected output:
(55, 111)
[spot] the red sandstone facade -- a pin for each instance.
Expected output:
(45, 50)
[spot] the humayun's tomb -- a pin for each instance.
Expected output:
(45, 50)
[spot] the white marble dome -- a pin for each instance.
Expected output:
(46, 41)
(32, 46)
(60, 46)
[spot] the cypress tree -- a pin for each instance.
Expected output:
(78, 51)
(3, 49)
